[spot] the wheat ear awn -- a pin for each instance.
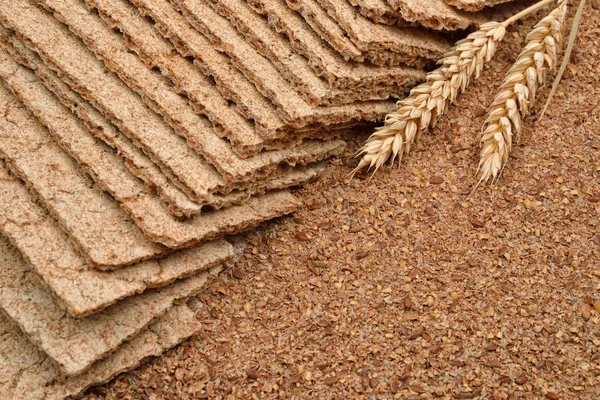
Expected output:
(429, 100)
(517, 92)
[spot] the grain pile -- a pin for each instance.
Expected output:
(137, 134)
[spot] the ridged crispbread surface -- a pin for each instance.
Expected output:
(295, 67)
(136, 161)
(159, 95)
(101, 229)
(104, 165)
(474, 5)
(378, 11)
(358, 38)
(83, 289)
(76, 343)
(327, 62)
(291, 106)
(228, 119)
(27, 373)
(435, 14)
(85, 73)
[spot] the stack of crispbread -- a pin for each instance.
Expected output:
(137, 134)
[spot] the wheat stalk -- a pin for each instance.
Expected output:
(517, 92)
(429, 100)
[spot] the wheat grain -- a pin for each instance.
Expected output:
(428, 101)
(517, 92)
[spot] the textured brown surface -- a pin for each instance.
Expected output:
(296, 112)
(385, 289)
(359, 38)
(296, 68)
(136, 161)
(84, 289)
(104, 165)
(436, 14)
(379, 11)
(474, 5)
(29, 374)
(328, 63)
(87, 75)
(157, 92)
(97, 224)
(204, 96)
(76, 343)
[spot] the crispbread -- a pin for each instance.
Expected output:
(157, 92)
(76, 343)
(475, 5)
(157, 52)
(78, 66)
(29, 374)
(394, 44)
(283, 177)
(358, 38)
(325, 60)
(136, 161)
(100, 227)
(436, 14)
(296, 68)
(83, 289)
(190, 42)
(378, 11)
(100, 161)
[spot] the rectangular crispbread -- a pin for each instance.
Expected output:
(475, 5)
(328, 63)
(158, 94)
(435, 14)
(83, 289)
(379, 11)
(85, 73)
(359, 38)
(100, 161)
(294, 110)
(396, 43)
(295, 67)
(100, 227)
(204, 97)
(27, 373)
(136, 161)
(275, 162)
(74, 344)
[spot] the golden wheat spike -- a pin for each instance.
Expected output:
(517, 92)
(429, 100)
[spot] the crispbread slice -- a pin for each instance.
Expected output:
(328, 63)
(87, 74)
(282, 177)
(136, 161)
(76, 343)
(296, 68)
(103, 231)
(475, 5)
(435, 14)
(399, 43)
(294, 110)
(204, 97)
(158, 94)
(100, 161)
(97, 224)
(378, 11)
(83, 289)
(26, 373)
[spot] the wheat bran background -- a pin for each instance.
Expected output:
(406, 287)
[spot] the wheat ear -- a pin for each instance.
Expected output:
(517, 92)
(429, 100)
